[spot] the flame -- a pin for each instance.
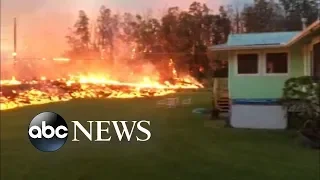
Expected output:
(18, 93)
(85, 87)
(61, 59)
(201, 69)
(171, 66)
(12, 81)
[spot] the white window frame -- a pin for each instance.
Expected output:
(264, 64)
(258, 53)
(230, 61)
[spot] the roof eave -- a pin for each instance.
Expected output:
(314, 26)
(230, 48)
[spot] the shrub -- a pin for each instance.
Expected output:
(301, 98)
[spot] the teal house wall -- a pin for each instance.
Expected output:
(253, 98)
(297, 44)
(263, 85)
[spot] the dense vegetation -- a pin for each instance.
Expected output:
(181, 35)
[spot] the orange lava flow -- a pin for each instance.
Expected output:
(15, 93)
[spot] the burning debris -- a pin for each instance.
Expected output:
(17, 92)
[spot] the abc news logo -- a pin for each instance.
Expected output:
(48, 131)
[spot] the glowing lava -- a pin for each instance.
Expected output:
(16, 93)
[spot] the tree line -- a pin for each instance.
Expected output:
(181, 35)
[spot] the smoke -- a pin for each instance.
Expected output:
(125, 67)
(43, 24)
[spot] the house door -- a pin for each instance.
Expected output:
(316, 61)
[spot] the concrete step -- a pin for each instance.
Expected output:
(223, 100)
(223, 104)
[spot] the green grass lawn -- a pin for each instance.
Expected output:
(183, 146)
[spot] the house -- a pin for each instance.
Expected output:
(258, 66)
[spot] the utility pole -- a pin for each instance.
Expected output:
(15, 41)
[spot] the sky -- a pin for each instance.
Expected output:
(43, 24)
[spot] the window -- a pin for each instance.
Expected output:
(277, 63)
(247, 63)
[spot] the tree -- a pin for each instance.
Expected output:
(234, 15)
(79, 36)
(170, 22)
(222, 26)
(107, 29)
(182, 36)
(297, 9)
(82, 29)
(147, 34)
(188, 34)
(263, 16)
(128, 26)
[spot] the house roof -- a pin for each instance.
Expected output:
(264, 40)
(313, 27)
(273, 38)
